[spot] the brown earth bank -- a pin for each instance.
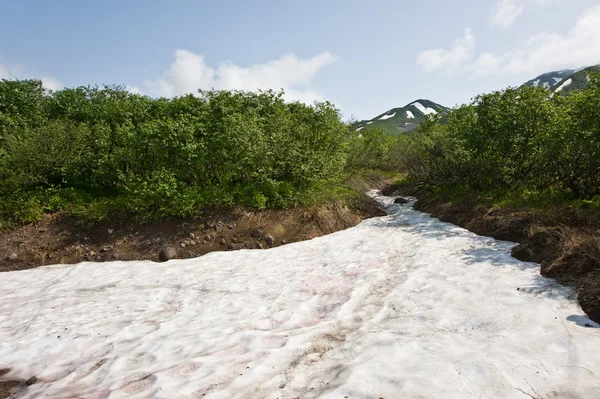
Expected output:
(565, 242)
(60, 238)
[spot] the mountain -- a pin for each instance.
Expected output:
(550, 79)
(576, 81)
(405, 119)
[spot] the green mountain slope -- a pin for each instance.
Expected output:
(576, 81)
(404, 119)
(550, 79)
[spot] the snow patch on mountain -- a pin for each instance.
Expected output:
(424, 110)
(384, 117)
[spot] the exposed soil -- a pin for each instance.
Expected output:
(566, 244)
(59, 238)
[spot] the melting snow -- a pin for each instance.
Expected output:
(368, 123)
(360, 128)
(409, 115)
(536, 83)
(384, 117)
(562, 86)
(556, 80)
(398, 306)
(424, 110)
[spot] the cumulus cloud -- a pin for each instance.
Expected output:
(190, 72)
(16, 72)
(449, 60)
(505, 12)
(544, 51)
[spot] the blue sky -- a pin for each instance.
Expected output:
(365, 57)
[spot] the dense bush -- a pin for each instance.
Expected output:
(105, 148)
(513, 141)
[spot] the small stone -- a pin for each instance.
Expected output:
(136, 233)
(209, 237)
(189, 255)
(400, 200)
(231, 226)
(182, 244)
(192, 243)
(31, 381)
(92, 253)
(192, 236)
(43, 230)
(110, 231)
(98, 258)
(222, 242)
(283, 242)
(260, 245)
(269, 239)
(114, 256)
(13, 256)
(107, 248)
(256, 233)
(167, 254)
(119, 242)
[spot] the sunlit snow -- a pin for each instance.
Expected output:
(360, 128)
(536, 83)
(410, 115)
(401, 306)
(562, 86)
(384, 117)
(424, 110)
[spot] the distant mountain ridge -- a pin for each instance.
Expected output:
(564, 81)
(550, 79)
(403, 119)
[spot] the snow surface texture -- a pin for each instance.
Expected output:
(398, 306)
(424, 110)
(410, 115)
(384, 117)
(562, 86)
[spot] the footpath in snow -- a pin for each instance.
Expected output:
(401, 306)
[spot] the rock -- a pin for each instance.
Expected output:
(192, 236)
(260, 245)
(31, 381)
(182, 244)
(283, 242)
(114, 256)
(107, 248)
(119, 242)
(234, 247)
(167, 253)
(110, 231)
(98, 258)
(192, 243)
(13, 256)
(222, 242)
(400, 200)
(256, 233)
(189, 255)
(43, 230)
(269, 239)
(231, 226)
(209, 237)
(92, 253)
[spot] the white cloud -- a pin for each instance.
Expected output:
(16, 72)
(544, 51)
(449, 60)
(190, 72)
(505, 12)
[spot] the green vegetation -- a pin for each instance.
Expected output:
(93, 151)
(519, 144)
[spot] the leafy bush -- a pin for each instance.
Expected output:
(160, 157)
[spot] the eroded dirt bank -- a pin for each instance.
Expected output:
(566, 244)
(60, 239)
